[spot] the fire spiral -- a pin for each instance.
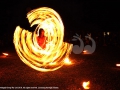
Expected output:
(56, 51)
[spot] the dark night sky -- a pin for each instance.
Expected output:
(76, 15)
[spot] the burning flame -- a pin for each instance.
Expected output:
(6, 54)
(52, 57)
(84, 51)
(86, 85)
(67, 61)
(118, 65)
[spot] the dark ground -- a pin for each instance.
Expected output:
(98, 68)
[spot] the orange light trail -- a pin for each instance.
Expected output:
(52, 57)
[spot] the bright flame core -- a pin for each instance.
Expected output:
(86, 85)
(84, 51)
(67, 61)
(118, 65)
(52, 57)
(6, 54)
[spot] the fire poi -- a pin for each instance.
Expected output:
(51, 57)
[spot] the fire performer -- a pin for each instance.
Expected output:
(41, 39)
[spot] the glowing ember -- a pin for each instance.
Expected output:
(118, 65)
(67, 61)
(86, 85)
(52, 56)
(84, 51)
(6, 54)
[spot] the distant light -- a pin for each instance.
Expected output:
(104, 33)
(108, 33)
(85, 52)
(5, 54)
(118, 65)
(86, 85)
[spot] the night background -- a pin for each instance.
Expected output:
(78, 17)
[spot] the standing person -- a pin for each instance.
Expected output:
(41, 39)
